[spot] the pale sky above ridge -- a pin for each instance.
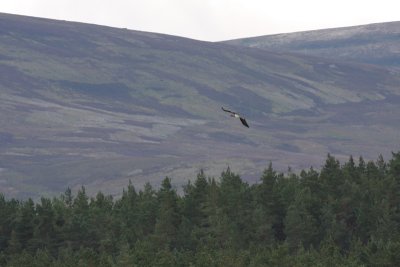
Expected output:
(212, 20)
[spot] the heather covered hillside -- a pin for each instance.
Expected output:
(98, 106)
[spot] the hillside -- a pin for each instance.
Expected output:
(377, 43)
(98, 106)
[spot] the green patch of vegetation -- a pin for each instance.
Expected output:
(344, 215)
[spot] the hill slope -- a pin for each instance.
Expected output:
(374, 43)
(91, 105)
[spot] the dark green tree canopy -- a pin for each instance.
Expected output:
(343, 215)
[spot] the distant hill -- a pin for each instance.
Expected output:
(98, 106)
(374, 43)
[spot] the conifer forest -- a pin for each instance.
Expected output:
(344, 214)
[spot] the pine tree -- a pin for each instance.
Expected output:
(8, 213)
(44, 233)
(147, 211)
(25, 224)
(168, 217)
(351, 172)
(301, 227)
(80, 230)
(195, 200)
(100, 214)
(42, 258)
(195, 207)
(14, 245)
(332, 177)
(382, 166)
(266, 203)
(234, 202)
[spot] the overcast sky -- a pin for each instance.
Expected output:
(212, 20)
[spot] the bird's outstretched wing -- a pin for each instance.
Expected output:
(244, 122)
(226, 110)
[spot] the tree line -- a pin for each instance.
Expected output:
(343, 215)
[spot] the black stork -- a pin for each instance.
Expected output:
(236, 115)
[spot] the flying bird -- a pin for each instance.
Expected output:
(236, 115)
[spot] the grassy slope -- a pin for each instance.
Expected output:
(85, 104)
